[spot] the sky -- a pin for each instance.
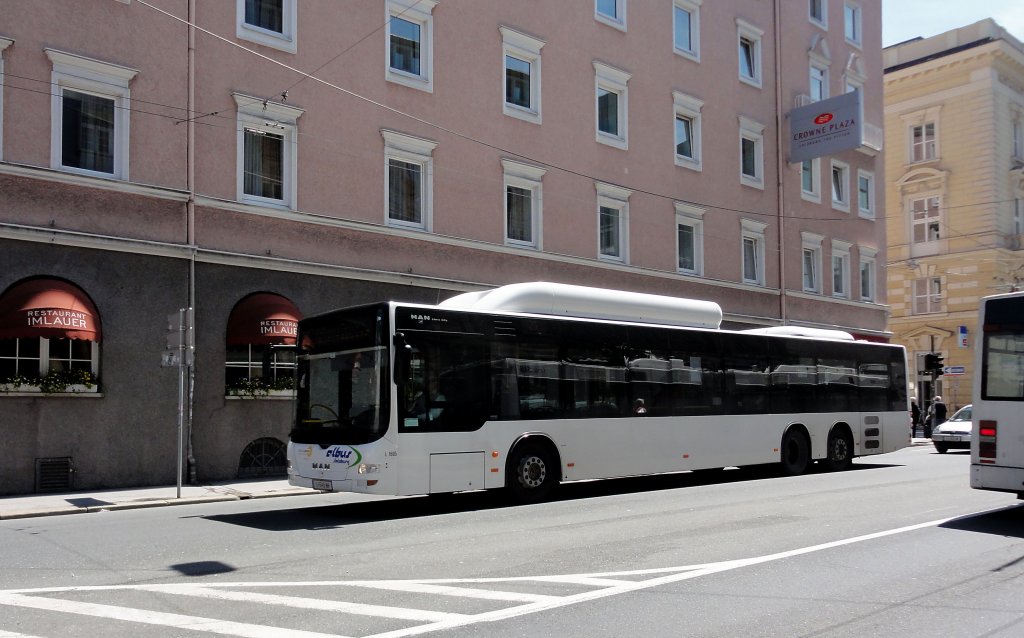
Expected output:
(906, 19)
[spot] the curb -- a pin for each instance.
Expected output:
(148, 503)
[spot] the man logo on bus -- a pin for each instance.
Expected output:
(824, 118)
(344, 454)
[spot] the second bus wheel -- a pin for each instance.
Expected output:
(532, 473)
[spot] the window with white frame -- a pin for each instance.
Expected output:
(817, 11)
(752, 246)
(267, 22)
(523, 204)
(4, 43)
(810, 180)
(928, 295)
(922, 142)
(408, 183)
(852, 22)
(522, 75)
(266, 150)
(612, 222)
(687, 130)
(686, 28)
(840, 186)
(841, 269)
(409, 37)
(865, 194)
(811, 262)
(751, 153)
(819, 81)
(854, 76)
(867, 273)
(611, 12)
(925, 220)
(32, 358)
(611, 105)
(89, 115)
(749, 40)
(689, 239)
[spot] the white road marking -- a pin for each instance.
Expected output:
(179, 621)
(692, 572)
(605, 584)
(359, 609)
(8, 634)
(464, 592)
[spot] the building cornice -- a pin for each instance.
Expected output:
(943, 63)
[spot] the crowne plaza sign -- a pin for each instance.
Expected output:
(826, 127)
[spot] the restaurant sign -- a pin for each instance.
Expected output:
(58, 318)
(272, 328)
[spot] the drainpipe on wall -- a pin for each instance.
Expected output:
(780, 160)
(190, 211)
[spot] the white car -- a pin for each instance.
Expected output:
(954, 433)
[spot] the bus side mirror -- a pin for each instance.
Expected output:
(403, 359)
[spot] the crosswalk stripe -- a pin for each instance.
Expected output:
(582, 580)
(465, 592)
(10, 634)
(180, 621)
(361, 609)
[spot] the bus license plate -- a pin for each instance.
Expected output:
(320, 484)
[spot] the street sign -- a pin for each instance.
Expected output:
(170, 359)
(954, 370)
(180, 339)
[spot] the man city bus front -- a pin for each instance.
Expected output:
(339, 441)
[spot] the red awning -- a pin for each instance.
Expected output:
(48, 308)
(263, 319)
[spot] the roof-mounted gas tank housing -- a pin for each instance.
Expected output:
(545, 298)
(802, 331)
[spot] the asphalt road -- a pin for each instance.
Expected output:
(899, 545)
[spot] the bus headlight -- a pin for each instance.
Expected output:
(368, 468)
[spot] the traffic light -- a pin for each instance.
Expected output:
(933, 363)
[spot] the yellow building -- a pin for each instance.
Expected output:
(954, 175)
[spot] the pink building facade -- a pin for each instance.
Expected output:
(264, 160)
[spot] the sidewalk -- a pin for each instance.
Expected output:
(30, 505)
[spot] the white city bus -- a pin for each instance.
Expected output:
(528, 385)
(997, 449)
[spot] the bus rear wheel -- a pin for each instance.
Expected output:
(531, 473)
(796, 453)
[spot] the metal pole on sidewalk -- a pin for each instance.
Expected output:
(180, 348)
(181, 405)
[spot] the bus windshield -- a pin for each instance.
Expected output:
(342, 390)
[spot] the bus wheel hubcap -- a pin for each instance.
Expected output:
(839, 451)
(532, 471)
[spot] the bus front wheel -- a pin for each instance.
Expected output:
(532, 473)
(796, 452)
(840, 450)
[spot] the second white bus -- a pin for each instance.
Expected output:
(997, 448)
